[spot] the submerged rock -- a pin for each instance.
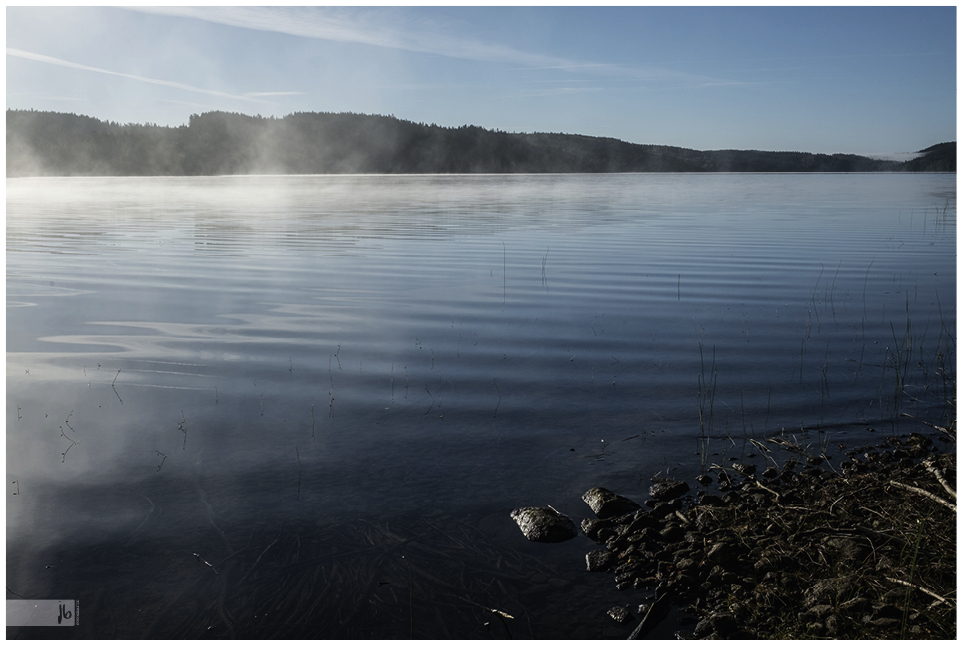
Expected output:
(544, 524)
(605, 503)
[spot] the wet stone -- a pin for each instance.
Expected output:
(694, 538)
(833, 625)
(672, 533)
(591, 528)
(619, 614)
(855, 605)
(662, 509)
(631, 552)
(667, 489)
(599, 560)
(721, 553)
(887, 611)
(738, 609)
(702, 629)
(544, 524)
(642, 521)
(605, 503)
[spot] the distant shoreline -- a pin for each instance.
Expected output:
(215, 144)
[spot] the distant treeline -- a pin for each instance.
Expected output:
(63, 144)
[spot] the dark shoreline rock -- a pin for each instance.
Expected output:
(545, 525)
(665, 489)
(607, 504)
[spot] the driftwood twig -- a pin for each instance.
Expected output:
(935, 471)
(924, 590)
(769, 490)
(925, 494)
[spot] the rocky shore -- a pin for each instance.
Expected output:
(817, 549)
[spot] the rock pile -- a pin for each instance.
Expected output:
(863, 551)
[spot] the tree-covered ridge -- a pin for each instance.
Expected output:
(938, 158)
(46, 143)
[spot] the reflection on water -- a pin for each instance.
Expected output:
(273, 372)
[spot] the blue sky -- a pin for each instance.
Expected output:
(822, 79)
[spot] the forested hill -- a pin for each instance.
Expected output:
(44, 143)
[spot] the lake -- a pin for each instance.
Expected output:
(304, 406)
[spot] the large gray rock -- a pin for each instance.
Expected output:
(605, 503)
(544, 524)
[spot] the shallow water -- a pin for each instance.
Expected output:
(379, 368)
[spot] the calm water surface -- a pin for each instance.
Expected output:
(335, 389)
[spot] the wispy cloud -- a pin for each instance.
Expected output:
(274, 94)
(572, 66)
(42, 58)
(709, 84)
(357, 26)
(568, 90)
(375, 27)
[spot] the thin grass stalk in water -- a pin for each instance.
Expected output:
(298, 498)
(706, 399)
(411, 601)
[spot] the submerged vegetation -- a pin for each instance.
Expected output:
(218, 143)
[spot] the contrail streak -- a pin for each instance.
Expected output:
(254, 97)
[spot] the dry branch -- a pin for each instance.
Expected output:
(925, 494)
(924, 590)
(935, 471)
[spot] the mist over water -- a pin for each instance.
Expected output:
(202, 365)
